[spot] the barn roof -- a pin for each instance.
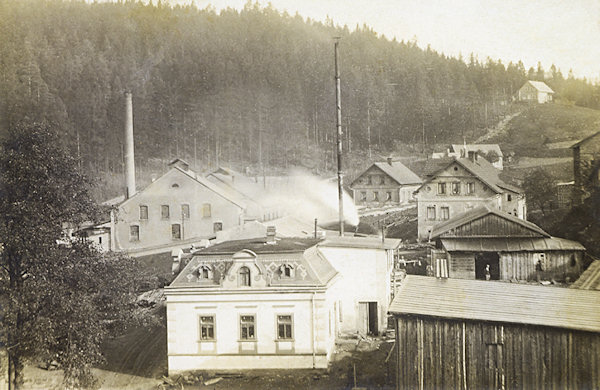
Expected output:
(397, 171)
(510, 244)
(585, 140)
(540, 86)
(480, 212)
(482, 300)
(590, 278)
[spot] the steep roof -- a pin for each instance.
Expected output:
(486, 148)
(479, 213)
(590, 278)
(503, 302)
(260, 245)
(397, 171)
(312, 269)
(482, 169)
(540, 86)
(585, 140)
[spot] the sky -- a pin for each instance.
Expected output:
(561, 32)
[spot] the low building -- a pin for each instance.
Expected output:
(97, 234)
(455, 185)
(252, 304)
(487, 243)
(365, 265)
(491, 152)
(470, 334)
(385, 183)
(535, 92)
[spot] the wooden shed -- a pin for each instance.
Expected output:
(471, 334)
(486, 241)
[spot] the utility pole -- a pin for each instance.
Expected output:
(338, 106)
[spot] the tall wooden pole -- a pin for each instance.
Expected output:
(338, 107)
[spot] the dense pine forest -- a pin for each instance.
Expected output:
(241, 88)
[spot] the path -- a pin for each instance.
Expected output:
(497, 130)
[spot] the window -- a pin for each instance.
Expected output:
(99, 240)
(287, 271)
(388, 196)
(470, 188)
(369, 180)
(363, 196)
(164, 211)
(217, 226)
(176, 231)
(204, 272)
(441, 188)
(444, 213)
(143, 212)
(376, 196)
(244, 277)
(381, 179)
(509, 197)
(284, 327)
(431, 213)
(206, 210)
(207, 327)
(247, 328)
(134, 233)
(185, 211)
(456, 188)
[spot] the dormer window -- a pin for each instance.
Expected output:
(204, 272)
(244, 277)
(287, 271)
(174, 185)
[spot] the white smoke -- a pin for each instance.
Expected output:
(308, 197)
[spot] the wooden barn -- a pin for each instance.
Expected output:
(471, 334)
(485, 243)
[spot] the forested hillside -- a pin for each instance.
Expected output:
(239, 88)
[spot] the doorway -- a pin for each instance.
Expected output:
(487, 262)
(368, 318)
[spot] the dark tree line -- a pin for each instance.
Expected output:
(239, 88)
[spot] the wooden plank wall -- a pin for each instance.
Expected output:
(491, 225)
(461, 265)
(521, 265)
(449, 354)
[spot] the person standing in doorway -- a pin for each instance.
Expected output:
(488, 276)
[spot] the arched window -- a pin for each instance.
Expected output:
(244, 276)
(204, 272)
(287, 271)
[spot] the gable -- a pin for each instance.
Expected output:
(456, 172)
(376, 175)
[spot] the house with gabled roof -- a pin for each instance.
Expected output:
(385, 183)
(175, 210)
(472, 334)
(455, 185)
(586, 167)
(535, 92)
(487, 243)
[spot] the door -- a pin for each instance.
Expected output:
(368, 321)
(487, 266)
(373, 320)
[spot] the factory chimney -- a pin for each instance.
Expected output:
(128, 149)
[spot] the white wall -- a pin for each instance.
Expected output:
(186, 352)
(364, 277)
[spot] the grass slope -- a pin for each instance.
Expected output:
(528, 133)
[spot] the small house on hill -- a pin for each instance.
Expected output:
(385, 183)
(456, 185)
(586, 166)
(471, 334)
(491, 152)
(485, 243)
(535, 92)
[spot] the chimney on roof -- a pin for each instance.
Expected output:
(271, 232)
(128, 148)
(389, 161)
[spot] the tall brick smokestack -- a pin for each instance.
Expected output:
(128, 149)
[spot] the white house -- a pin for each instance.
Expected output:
(536, 92)
(365, 265)
(253, 304)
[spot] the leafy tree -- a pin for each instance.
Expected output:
(540, 189)
(59, 298)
